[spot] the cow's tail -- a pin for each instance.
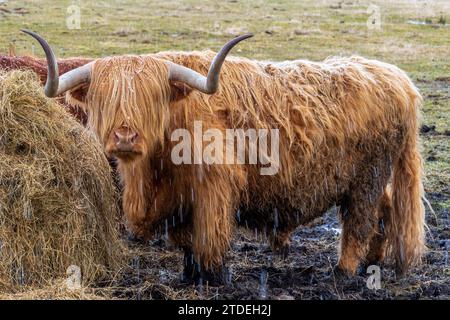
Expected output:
(406, 229)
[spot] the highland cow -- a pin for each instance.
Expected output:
(348, 129)
(39, 66)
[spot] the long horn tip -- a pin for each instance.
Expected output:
(27, 31)
(243, 37)
(247, 35)
(33, 34)
(52, 83)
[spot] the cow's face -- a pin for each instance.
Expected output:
(127, 104)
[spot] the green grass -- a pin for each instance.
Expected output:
(284, 29)
(187, 25)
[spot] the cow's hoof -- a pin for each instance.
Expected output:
(210, 278)
(216, 278)
(191, 272)
(134, 238)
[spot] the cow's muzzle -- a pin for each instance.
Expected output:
(124, 143)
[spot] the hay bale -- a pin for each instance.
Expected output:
(57, 199)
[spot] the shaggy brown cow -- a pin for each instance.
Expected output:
(39, 66)
(347, 126)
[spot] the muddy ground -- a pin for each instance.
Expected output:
(256, 273)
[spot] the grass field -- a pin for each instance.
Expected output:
(415, 35)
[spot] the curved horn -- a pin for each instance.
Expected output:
(209, 84)
(55, 85)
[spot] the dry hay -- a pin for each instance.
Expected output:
(57, 290)
(58, 204)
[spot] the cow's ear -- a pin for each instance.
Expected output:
(179, 90)
(77, 96)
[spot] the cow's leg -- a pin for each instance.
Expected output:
(193, 271)
(181, 236)
(377, 246)
(360, 216)
(191, 268)
(213, 223)
(360, 211)
(358, 224)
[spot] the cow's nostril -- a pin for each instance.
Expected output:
(133, 137)
(116, 137)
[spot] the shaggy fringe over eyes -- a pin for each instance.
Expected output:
(129, 90)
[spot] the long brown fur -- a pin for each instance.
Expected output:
(347, 127)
